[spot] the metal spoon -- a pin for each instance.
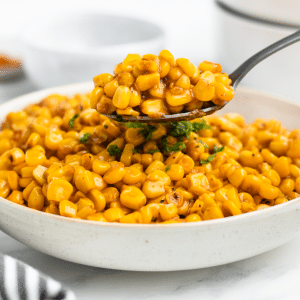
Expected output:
(236, 76)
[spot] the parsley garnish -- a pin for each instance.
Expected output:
(84, 138)
(179, 146)
(146, 129)
(71, 121)
(153, 151)
(212, 156)
(114, 150)
(134, 151)
(168, 167)
(184, 128)
(119, 118)
(204, 144)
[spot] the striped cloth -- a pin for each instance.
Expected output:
(19, 281)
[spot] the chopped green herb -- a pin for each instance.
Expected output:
(212, 156)
(153, 151)
(71, 121)
(146, 129)
(134, 151)
(204, 144)
(84, 138)
(197, 146)
(179, 146)
(114, 150)
(184, 128)
(168, 167)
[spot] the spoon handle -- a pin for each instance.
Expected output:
(237, 75)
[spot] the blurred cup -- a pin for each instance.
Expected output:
(71, 48)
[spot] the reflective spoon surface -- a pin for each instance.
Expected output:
(236, 76)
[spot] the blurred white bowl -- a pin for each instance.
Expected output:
(66, 49)
(245, 27)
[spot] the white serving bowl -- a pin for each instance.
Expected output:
(154, 247)
(246, 27)
(76, 47)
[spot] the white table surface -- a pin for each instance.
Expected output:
(269, 276)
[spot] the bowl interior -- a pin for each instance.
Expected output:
(88, 31)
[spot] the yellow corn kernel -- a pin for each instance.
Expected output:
(225, 194)
(100, 167)
(132, 176)
(13, 180)
(121, 97)
(273, 176)
(147, 159)
(85, 212)
(193, 218)
(29, 188)
(251, 184)
(197, 184)
(87, 161)
(262, 206)
(203, 90)
(159, 175)
(187, 163)
(127, 155)
(96, 95)
(84, 181)
(146, 65)
(174, 158)
(115, 173)
(213, 212)
(168, 211)
(294, 148)
(153, 189)
(176, 172)
(287, 185)
(223, 92)
(155, 165)
(237, 177)
(98, 199)
(145, 82)
(268, 156)
(58, 189)
(27, 172)
(188, 68)
(24, 182)
(209, 66)
(230, 209)
(282, 166)
(34, 157)
(214, 183)
(99, 217)
(165, 54)
(250, 159)
(268, 191)
(297, 185)
(102, 79)
(39, 174)
(295, 171)
(16, 197)
(36, 199)
(67, 209)
(154, 108)
(135, 97)
(84, 202)
(133, 197)
(178, 96)
(65, 172)
(110, 194)
(135, 217)
(126, 79)
(280, 200)
(113, 214)
(133, 136)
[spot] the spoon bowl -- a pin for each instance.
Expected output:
(236, 76)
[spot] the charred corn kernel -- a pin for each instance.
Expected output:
(251, 184)
(115, 173)
(282, 166)
(168, 211)
(287, 185)
(84, 181)
(98, 199)
(213, 212)
(237, 177)
(67, 209)
(99, 217)
(176, 172)
(165, 54)
(145, 82)
(113, 214)
(58, 190)
(121, 97)
(87, 161)
(127, 155)
(100, 167)
(36, 199)
(133, 197)
(193, 218)
(16, 197)
(230, 209)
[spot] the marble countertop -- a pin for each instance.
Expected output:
(269, 276)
